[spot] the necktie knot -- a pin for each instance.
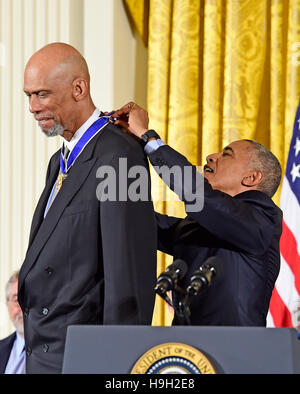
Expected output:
(66, 155)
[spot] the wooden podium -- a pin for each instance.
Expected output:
(144, 349)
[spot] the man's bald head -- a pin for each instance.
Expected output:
(57, 82)
(60, 59)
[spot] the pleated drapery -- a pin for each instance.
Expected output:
(218, 71)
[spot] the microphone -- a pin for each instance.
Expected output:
(169, 278)
(203, 277)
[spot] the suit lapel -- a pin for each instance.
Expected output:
(40, 209)
(6, 345)
(42, 229)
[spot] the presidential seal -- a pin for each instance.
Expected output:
(173, 358)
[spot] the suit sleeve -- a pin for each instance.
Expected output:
(129, 247)
(247, 225)
(166, 227)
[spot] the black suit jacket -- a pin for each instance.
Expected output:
(243, 231)
(88, 262)
(6, 345)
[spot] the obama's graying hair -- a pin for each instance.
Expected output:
(265, 161)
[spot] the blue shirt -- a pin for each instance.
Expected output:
(16, 361)
(151, 146)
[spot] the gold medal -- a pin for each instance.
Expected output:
(61, 177)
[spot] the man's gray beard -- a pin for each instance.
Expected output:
(18, 323)
(57, 129)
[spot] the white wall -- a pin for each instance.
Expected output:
(116, 56)
(100, 30)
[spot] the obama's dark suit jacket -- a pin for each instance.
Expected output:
(88, 262)
(243, 231)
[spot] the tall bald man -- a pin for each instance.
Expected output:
(90, 260)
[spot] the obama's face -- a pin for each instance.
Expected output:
(228, 170)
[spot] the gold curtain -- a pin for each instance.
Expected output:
(218, 71)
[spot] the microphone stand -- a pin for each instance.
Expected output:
(184, 311)
(162, 293)
(202, 278)
(199, 281)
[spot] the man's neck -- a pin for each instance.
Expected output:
(68, 134)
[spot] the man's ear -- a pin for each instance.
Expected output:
(80, 89)
(253, 178)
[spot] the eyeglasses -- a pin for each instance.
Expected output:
(13, 299)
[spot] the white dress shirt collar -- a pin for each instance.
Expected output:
(82, 129)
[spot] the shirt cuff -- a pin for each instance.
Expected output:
(153, 145)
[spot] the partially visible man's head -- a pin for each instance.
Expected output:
(266, 162)
(13, 307)
(57, 83)
(243, 165)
